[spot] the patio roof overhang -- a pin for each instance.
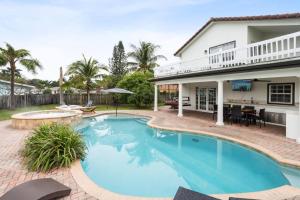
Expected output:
(284, 64)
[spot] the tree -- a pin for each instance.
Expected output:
(118, 63)
(12, 57)
(144, 56)
(86, 71)
(143, 89)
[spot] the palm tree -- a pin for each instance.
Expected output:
(144, 56)
(86, 70)
(12, 57)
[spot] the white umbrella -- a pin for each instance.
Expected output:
(116, 91)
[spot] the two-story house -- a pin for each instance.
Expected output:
(250, 60)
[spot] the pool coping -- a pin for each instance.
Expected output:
(95, 190)
(22, 116)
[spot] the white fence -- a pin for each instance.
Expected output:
(275, 49)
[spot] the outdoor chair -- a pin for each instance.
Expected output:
(248, 116)
(236, 114)
(88, 108)
(226, 113)
(38, 189)
(186, 194)
(261, 117)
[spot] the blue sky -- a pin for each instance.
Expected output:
(57, 32)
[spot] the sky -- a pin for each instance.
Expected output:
(58, 32)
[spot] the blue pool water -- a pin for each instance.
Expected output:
(128, 157)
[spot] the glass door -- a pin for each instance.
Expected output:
(207, 99)
(202, 98)
(212, 96)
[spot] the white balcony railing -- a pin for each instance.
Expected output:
(275, 49)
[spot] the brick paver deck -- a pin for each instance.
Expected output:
(12, 172)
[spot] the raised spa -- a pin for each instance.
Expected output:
(128, 157)
(30, 120)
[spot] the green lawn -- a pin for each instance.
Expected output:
(6, 114)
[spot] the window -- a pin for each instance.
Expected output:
(222, 47)
(281, 93)
(217, 56)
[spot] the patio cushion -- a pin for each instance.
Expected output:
(38, 189)
(186, 194)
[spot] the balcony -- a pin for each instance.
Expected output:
(271, 50)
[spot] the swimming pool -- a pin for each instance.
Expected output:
(128, 157)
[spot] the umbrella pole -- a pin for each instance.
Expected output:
(116, 106)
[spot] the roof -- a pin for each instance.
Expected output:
(18, 84)
(242, 18)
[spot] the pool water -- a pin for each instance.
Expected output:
(128, 157)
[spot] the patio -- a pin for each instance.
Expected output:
(270, 138)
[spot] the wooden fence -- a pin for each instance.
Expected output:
(44, 99)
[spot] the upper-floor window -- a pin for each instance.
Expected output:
(281, 93)
(222, 57)
(222, 47)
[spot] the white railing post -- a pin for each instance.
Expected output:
(220, 104)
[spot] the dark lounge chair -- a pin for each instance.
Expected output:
(186, 194)
(39, 189)
(88, 108)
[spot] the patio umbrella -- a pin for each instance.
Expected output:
(116, 91)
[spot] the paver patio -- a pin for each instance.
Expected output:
(12, 172)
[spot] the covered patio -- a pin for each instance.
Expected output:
(281, 106)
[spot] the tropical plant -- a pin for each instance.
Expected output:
(144, 57)
(12, 57)
(47, 91)
(53, 146)
(86, 71)
(143, 89)
(118, 63)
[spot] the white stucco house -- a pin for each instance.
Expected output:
(20, 89)
(250, 60)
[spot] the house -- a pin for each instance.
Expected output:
(250, 60)
(20, 89)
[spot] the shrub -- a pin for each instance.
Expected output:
(139, 83)
(52, 146)
(47, 91)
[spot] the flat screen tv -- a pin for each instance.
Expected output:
(241, 85)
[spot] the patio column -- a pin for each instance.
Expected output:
(155, 98)
(180, 100)
(220, 104)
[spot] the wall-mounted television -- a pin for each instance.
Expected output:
(241, 85)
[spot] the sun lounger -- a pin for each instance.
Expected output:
(186, 194)
(88, 109)
(39, 189)
(69, 107)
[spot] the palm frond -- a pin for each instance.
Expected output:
(31, 64)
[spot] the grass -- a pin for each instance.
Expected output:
(5, 114)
